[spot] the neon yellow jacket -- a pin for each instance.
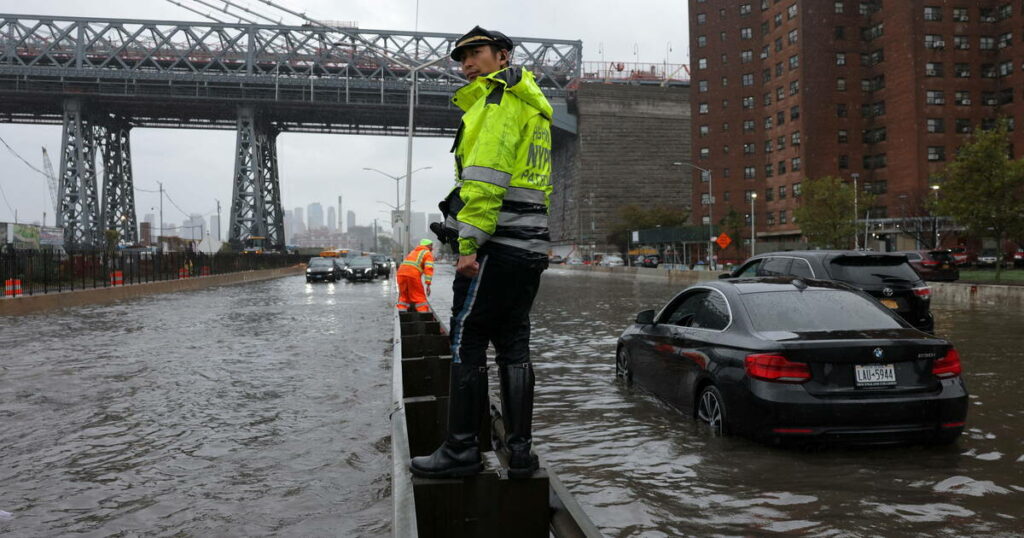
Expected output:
(503, 163)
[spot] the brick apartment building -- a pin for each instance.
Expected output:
(883, 91)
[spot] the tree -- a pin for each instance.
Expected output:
(826, 212)
(111, 238)
(634, 217)
(983, 189)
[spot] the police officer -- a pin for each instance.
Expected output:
(497, 219)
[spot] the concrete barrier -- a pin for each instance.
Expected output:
(52, 301)
(945, 293)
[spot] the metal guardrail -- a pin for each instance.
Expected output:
(42, 272)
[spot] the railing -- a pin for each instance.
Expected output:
(635, 72)
(41, 272)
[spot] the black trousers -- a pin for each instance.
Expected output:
(493, 308)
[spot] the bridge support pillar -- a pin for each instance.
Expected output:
(256, 199)
(78, 210)
(118, 210)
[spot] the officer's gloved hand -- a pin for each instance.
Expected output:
(438, 229)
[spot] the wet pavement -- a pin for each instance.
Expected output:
(261, 409)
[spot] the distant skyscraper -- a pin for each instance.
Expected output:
(316, 216)
(350, 219)
(332, 219)
(341, 228)
(215, 228)
(418, 230)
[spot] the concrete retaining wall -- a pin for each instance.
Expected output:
(945, 293)
(51, 301)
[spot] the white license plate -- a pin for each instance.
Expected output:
(873, 375)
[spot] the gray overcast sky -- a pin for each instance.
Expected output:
(196, 166)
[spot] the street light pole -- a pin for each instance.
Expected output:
(855, 177)
(935, 217)
(711, 203)
(753, 220)
(408, 156)
(398, 204)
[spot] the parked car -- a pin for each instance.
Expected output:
(612, 261)
(989, 257)
(887, 277)
(322, 270)
(556, 260)
(382, 264)
(361, 268)
(650, 261)
(963, 256)
(933, 264)
(787, 359)
(574, 261)
(1018, 257)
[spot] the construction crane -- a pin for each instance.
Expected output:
(52, 179)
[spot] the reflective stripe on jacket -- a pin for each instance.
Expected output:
(419, 261)
(503, 161)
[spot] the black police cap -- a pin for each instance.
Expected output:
(479, 36)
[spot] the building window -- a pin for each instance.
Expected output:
(769, 194)
(749, 148)
(702, 41)
(936, 125)
(748, 196)
(746, 33)
(936, 153)
(745, 9)
(839, 32)
(780, 94)
(766, 99)
(933, 41)
(765, 51)
(873, 32)
(796, 190)
(1005, 68)
(963, 98)
(748, 102)
(843, 136)
(988, 71)
(765, 29)
(748, 126)
(871, 162)
(702, 18)
(987, 43)
(795, 166)
(769, 146)
(702, 86)
(702, 63)
(725, 58)
(779, 69)
(748, 79)
(769, 170)
(960, 14)
(704, 130)
(874, 136)
(963, 126)
(725, 81)
(961, 42)
(791, 11)
(793, 37)
(872, 58)
(794, 87)
(749, 172)
(839, 6)
(778, 19)
(962, 70)
(841, 111)
(795, 138)
(781, 142)
(935, 97)
(934, 69)
(841, 84)
(726, 196)
(778, 44)
(782, 217)
(840, 58)
(770, 218)
(746, 56)
(703, 108)
(844, 162)
(705, 153)
(932, 13)
(1004, 40)
(782, 191)
(794, 61)
(768, 122)
(794, 112)
(782, 167)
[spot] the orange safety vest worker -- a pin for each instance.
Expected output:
(410, 291)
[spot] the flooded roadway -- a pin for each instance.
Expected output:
(261, 409)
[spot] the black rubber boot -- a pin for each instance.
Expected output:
(517, 382)
(459, 455)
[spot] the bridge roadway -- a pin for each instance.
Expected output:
(262, 410)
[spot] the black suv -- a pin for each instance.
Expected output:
(887, 277)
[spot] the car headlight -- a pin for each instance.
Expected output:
(309, 270)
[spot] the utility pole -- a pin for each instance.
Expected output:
(218, 219)
(855, 176)
(161, 211)
(753, 220)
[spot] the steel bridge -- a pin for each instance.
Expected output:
(99, 78)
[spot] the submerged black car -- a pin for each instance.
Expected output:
(888, 277)
(361, 268)
(322, 270)
(796, 359)
(382, 264)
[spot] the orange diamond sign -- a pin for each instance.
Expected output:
(723, 241)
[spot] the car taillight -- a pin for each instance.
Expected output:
(777, 368)
(923, 292)
(929, 263)
(948, 366)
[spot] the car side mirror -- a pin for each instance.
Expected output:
(645, 318)
(724, 276)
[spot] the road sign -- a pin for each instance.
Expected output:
(723, 240)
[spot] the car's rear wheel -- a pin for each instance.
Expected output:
(623, 368)
(711, 409)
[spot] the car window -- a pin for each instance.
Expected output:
(815, 310)
(750, 270)
(872, 270)
(941, 255)
(685, 309)
(775, 267)
(801, 268)
(913, 256)
(713, 313)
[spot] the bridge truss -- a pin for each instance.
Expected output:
(97, 73)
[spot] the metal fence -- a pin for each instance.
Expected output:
(40, 272)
